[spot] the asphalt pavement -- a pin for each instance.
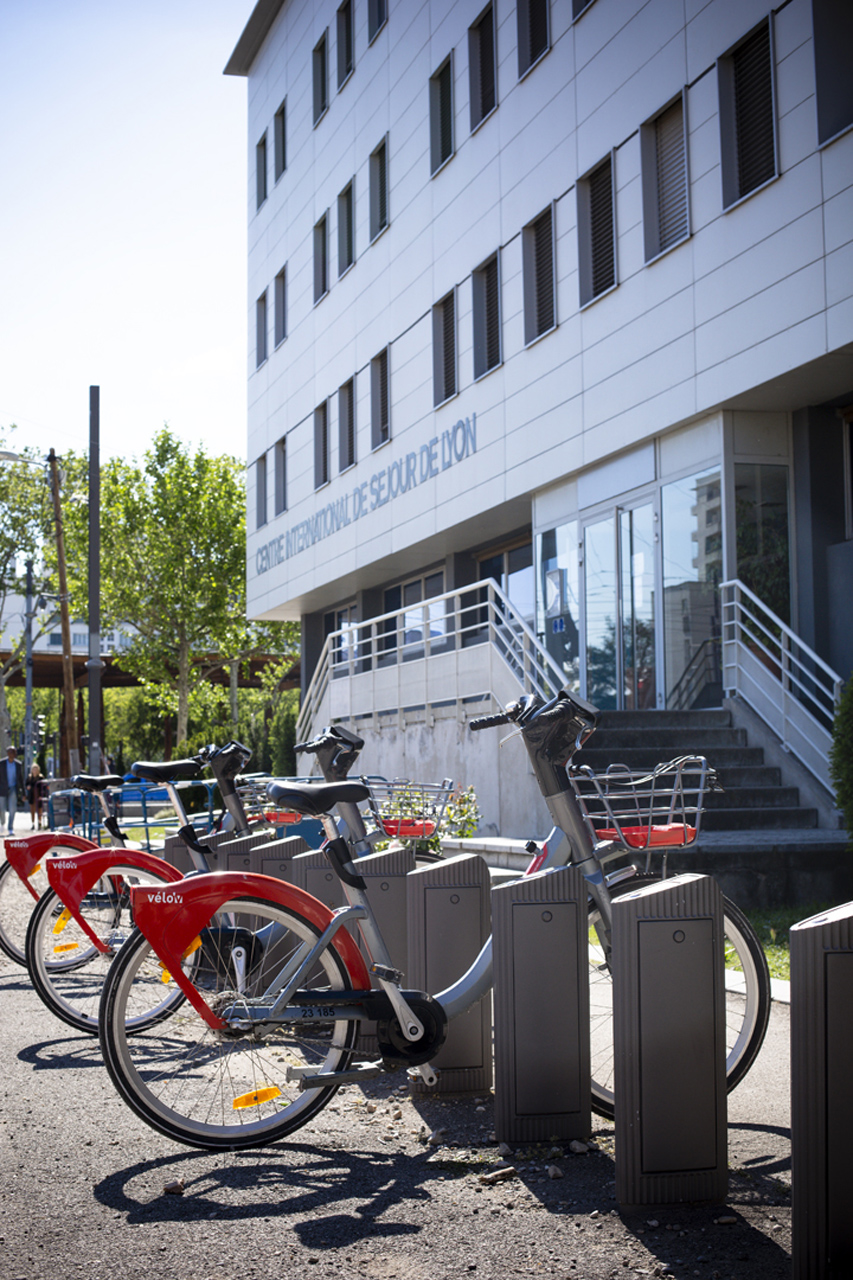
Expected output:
(87, 1189)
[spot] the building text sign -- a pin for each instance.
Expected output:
(399, 477)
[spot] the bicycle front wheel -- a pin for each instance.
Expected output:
(67, 969)
(16, 907)
(747, 998)
(223, 1090)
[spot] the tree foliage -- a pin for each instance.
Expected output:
(841, 755)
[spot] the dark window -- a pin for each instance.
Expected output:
(346, 425)
(444, 348)
(345, 57)
(380, 426)
(280, 140)
(377, 16)
(538, 267)
(596, 232)
(487, 317)
(321, 262)
(321, 445)
(441, 115)
(346, 233)
(321, 77)
(481, 66)
(665, 209)
(833, 40)
(261, 329)
(379, 190)
(261, 170)
(261, 490)
(533, 36)
(747, 116)
(281, 476)
(281, 306)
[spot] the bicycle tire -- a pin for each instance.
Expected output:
(66, 969)
(209, 1089)
(746, 1015)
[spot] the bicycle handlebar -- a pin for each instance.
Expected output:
(489, 722)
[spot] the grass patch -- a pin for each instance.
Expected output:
(773, 927)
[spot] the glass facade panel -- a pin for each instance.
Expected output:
(691, 513)
(600, 593)
(761, 521)
(637, 572)
(558, 611)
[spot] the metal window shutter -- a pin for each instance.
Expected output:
(753, 89)
(601, 228)
(671, 177)
(321, 447)
(544, 262)
(448, 346)
(445, 101)
(492, 314)
(382, 194)
(537, 16)
(383, 396)
(486, 37)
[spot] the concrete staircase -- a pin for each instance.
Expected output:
(754, 797)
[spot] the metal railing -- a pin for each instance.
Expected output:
(452, 647)
(793, 690)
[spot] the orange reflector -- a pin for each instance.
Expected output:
(165, 976)
(256, 1097)
(194, 946)
(62, 921)
(65, 946)
(35, 869)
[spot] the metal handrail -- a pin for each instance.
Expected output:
(789, 685)
(478, 613)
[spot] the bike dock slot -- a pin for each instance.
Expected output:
(821, 1102)
(541, 995)
(449, 918)
(669, 1044)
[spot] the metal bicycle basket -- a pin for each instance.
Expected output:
(406, 810)
(661, 809)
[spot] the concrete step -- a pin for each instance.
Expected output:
(646, 757)
(689, 740)
(769, 797)
(782, 818)
(655, 721)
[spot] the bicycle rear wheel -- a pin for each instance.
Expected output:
(66, 968)
(747, 999)
(223, 1090)
(16, 906)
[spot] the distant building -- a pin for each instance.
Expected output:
(557, 295)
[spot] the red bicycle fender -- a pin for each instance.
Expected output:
(172, 917)
(71, 877)
(24, 853)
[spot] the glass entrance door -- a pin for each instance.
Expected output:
(619, 599)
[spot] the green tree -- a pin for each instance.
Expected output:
(173, 566)
(841, 755)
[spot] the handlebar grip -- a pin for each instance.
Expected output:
(310, 747)
(489, 722)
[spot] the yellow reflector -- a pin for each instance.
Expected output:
(35, 869)
(62, 921)
(194, 946)
(65, 946)
(256, 1097)
(165, 976)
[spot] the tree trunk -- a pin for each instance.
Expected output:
(235, 711)
(183, 690)
(5, 718)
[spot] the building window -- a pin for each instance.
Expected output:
(321, 77)
(321, 259)
(321, 445)
(281, 306)
(441, 115)
(444, 349)
(380, 421)
(596, 232)
(346, 425)
(346, 231)
(487, 317)
(261, 330)
(345, 46)
(379, 189)
(537, 248)
(578, 7)
(747, 124)
(664, 165)
(481, 66)
(833, 39)
(533, 34)
(280, 140)
(261, 170)
(261, 491)
(377, 16)
(281, 476)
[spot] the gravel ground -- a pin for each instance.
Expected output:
(380, 1185)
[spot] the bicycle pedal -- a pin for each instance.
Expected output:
(310, 1079)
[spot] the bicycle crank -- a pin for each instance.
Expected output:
(397, 1050)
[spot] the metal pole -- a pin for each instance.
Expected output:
(95, 662)
(28, 705)
(67, 658)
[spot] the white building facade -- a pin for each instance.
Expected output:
(557, 295)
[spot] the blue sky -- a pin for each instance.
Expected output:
(122, 222)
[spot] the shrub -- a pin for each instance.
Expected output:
(841, 755)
